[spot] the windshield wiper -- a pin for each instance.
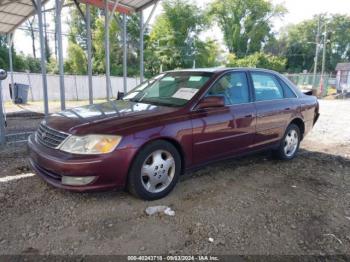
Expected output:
(158, 103)
(134, 100)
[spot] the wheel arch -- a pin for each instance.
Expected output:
(169, 140)
(300, 123)
(179, 148)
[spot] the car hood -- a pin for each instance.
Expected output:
(106, 118)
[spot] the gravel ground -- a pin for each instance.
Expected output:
(252, 205)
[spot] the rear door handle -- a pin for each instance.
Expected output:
(248, 116)
(287, 109)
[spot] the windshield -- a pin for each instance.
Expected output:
(172, 89)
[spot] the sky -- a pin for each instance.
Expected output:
(298, 10)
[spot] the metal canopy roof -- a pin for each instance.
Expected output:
(124, 6)
(14, 12)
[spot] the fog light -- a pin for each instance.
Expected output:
(77, 181)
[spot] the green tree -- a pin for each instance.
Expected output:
(78, 34)
(76, 59)
(339, 41)
(77, 47)
(297, 43)
(246, 24)
(4, 61)
(208, 53)
(77, 27)
(33, 64)
(258, 60)
(21, 62)
(99, 63)
(174, 36)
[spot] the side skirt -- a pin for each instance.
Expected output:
(253, 152)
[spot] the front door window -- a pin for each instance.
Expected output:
(233, 87)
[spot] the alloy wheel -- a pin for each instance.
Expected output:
(158, 171)
(291, 143)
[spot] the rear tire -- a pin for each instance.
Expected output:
(155, 171)
(290, 143)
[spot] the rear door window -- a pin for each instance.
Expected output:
(266, 87)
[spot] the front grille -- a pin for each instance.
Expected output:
(49, 137)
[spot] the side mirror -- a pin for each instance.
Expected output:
(211, 101)
(3, 74)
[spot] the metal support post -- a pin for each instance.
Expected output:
(141, 48)
(87, 20)
(143, 27)
(108, 17)
(89, 52)
(125, 54)
(108, 69)
(37, 4)
(10, 43)
(2, 118)
(59, 4)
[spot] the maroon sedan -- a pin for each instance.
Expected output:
(178, 121)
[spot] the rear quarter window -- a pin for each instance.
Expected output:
(288, 92)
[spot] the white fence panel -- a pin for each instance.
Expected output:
(76, 86)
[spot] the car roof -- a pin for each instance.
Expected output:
(227, 69)
(200, 70)
(221, 69)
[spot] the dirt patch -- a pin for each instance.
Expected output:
(252, 205)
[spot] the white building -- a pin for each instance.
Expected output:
(343, 77)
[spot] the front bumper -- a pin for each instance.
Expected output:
(110, 170)
(317, 116)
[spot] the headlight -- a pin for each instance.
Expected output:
(91, 144)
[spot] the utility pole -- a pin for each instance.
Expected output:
(324, 50)
(316, 55)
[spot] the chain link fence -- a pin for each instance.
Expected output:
(325, 85)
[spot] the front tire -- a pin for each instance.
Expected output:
(155, 171)
(290, 143)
